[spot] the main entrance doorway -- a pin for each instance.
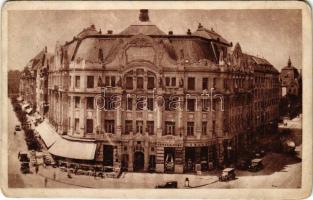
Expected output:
(107, 155)
(139, 161)
(169, 158)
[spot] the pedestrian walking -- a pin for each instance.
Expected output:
(54, 176)
(36, 169)
(187, 182)
(69, 174)
(46, 181)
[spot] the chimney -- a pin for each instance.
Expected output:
(188, 32)
(144, 15)
(110, 32)
(170, 32)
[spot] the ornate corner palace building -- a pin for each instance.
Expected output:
(156, 101)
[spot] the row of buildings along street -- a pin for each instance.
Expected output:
(142, 100)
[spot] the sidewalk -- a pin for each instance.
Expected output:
(127, 179)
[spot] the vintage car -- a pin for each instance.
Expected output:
(18, 128)
(23, 157)
(25, 167)
(169, 184)
(243, 164)
(227, 174)
(256, 165)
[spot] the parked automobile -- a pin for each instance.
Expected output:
(169, 184)
(256, 165)
(23, 156)
(243, 164)
(18, 128)
(227, 174)
(24, 167)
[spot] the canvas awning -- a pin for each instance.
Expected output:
(20, 98)
(48, 135)
(73, 149)
(25, 105)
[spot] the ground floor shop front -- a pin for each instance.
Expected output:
(144, 156)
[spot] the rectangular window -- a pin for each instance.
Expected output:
(139, 127)
(90, 101)
(77, 102)
(107, 81)
(173, 81)
(213, 129)
(90, 82)
(150, 104)
(169, 128)
(139, 82)
(128, 126)
(167, 81)
(191, 103)
(77, 81)
(109, 126)
(191, 83)
(89, 126)
(76, 125)
(214, 83)
(150, 127)
(129, 83)
(190, 128)
(129, 103)
(113, 81)
(204, 128)
(139, 103)
(205, 82)
(150, 85)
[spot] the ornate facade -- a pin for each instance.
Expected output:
(163, 102)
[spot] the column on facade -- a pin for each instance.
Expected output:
(198, 120)
(98, 119)
(72, 115)
(180, 124)
(82, 116)
(159, 116)
(146, 155)
(130, 150)
(119, 117)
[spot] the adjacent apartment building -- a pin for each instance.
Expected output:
(156, 101)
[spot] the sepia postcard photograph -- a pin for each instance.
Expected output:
(156, 99)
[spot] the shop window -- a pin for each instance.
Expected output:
(191, 103)
(173, 81)
(90, 82)
(77, 81)
(169, 128)
(150, 127)
(76, 125)
(139, 82)
(190, 128)
(150, 85)
(191, 83)
(205, 82)
(89, 126)
(204, 128)
(139, 127)
(109, 126)
(128, 126)
(90, 102)
(150, 104)
(77, 102)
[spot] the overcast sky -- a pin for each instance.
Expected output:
(272, 34)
